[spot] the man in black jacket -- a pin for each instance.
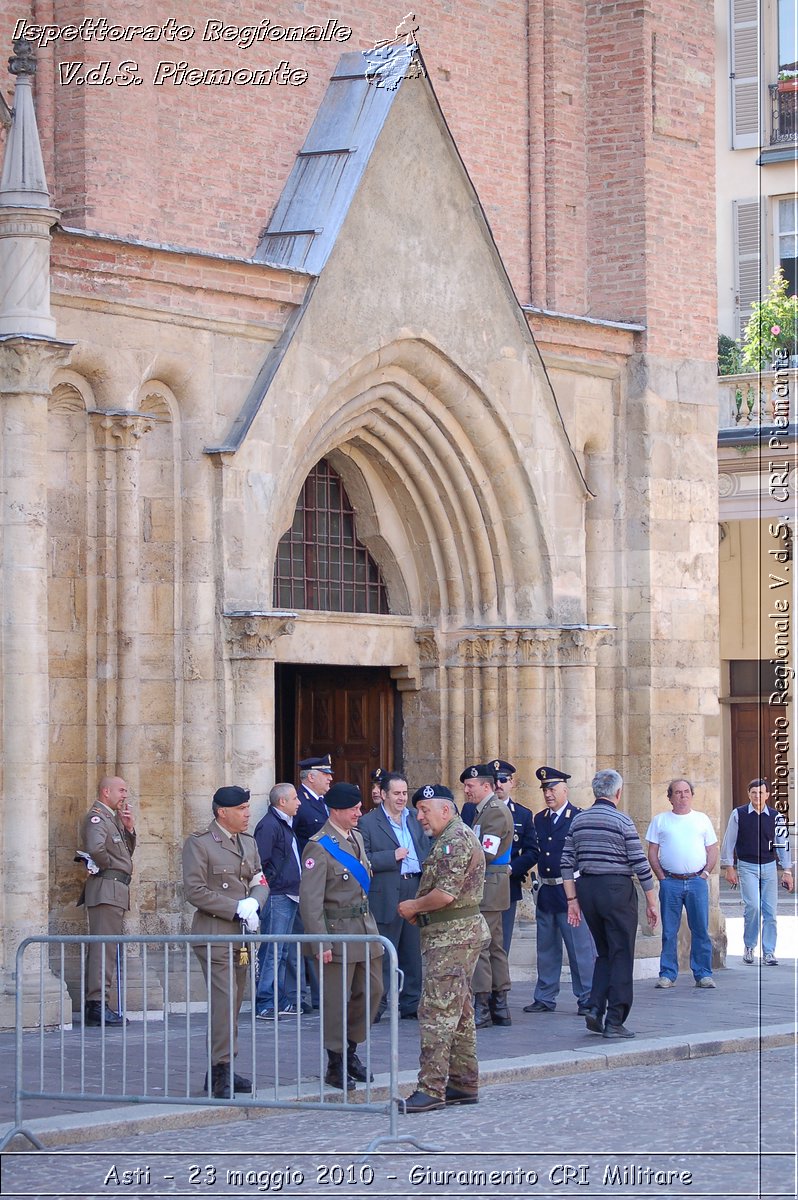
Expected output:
(279, 854)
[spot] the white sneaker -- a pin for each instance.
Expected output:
(665, 982)
(706, 981)
(770, 960)
(748, 955)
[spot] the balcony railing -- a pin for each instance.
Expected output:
(783, 112)
(751, 400)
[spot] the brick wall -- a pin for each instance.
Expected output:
(586, 126)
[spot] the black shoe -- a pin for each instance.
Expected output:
(499, 1012)
(220, 1082)
(584, 1010)
(420, 1102)
(334, 1076)
(482, 1014)
(378, 1016)
(617, 1031)
(356, 1068)
(307, 1007)
(456, 1095)
(93, 1016)
(537, 1007)
(410, 1016)
(594, 1022)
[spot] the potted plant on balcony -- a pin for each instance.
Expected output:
(787, 81)
(773, 328)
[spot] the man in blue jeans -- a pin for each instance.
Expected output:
(755, 838)
(279, 854)
(683, 852)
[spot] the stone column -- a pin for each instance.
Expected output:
(26, 368)
(250, 637)
(121, 432)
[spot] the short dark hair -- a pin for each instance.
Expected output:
(680, 779)
(389, 777)
(759, 783)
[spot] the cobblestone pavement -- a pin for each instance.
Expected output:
(722, 1126)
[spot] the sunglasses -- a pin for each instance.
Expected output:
(503, 778)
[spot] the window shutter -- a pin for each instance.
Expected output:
(746, 259)
(744, 64)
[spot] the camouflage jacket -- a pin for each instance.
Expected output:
(455, 868)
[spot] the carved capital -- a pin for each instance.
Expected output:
(119, 430)
(27, 364)
(252, 635)
(428, 649)
(480, 650)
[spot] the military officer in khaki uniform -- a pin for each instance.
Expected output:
(223, 879)
(493, 825)
(333, 898)
(107, 841)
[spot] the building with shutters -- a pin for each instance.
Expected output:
(354, 413)
(757, 232)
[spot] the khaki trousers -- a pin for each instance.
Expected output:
(225, 993)
(357, 1019)
(492, 973)
(103, 919)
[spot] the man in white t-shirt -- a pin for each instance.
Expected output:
(683, 852)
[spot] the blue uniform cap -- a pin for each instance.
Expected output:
(549, 775)
(316, 764)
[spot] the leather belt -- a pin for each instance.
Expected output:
(692, 875)
(447, 914)
(352, 910)
(499, 867)
(551, 882)
(119, 876)
(411, 875)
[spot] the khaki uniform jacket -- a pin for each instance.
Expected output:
(105, 838)
(493, 822)
(216, 875)
(327, 885)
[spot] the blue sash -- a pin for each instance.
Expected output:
(502, 859)
(349, 861)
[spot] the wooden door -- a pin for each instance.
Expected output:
(753, 746)
(349, 714)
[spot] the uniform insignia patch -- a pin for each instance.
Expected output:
(310, 863)
(447, 849)
(95, 820)
(490, 844)
(428, 792)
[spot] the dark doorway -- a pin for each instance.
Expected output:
(350, 713)
(753, 737)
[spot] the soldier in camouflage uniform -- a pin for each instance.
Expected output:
(453, 932)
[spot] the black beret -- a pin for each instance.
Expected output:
(230, 797)
(500, 767)
(343, 795)
(478, 771)
(432, 791)
(316, 764)
(549, 775)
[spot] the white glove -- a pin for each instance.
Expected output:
(249, 913)
(91, 865)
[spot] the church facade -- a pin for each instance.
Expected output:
(368, 419)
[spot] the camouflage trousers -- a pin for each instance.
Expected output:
(446, 1020)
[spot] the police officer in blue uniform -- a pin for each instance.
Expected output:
(315, 781)
(553, 930)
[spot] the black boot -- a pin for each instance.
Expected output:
(240, 1082)
(93, 1014)
(482, 1014)
(335, 1071)
(499, 1012)
(355, 1067)
(221, 1082)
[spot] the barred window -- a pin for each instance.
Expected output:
(320, 562)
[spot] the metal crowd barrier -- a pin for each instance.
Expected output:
(161, 1051)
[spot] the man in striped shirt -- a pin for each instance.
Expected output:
(604, 847)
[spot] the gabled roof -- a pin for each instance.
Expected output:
(330, 165)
